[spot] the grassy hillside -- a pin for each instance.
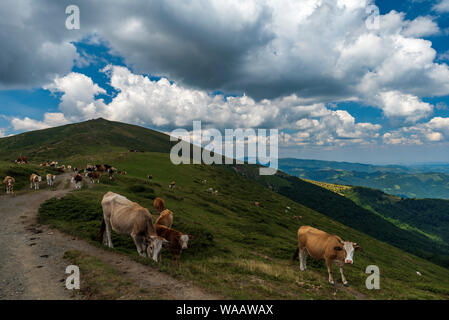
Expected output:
(85, 138)
(397, 180)
(342, 209)
(240, 250)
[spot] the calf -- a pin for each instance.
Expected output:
(34, 181)
(9, 184)
(172, 185)
(321, 245)
(178, 241)
(165, 218)
(159, 204)
(51, 179)
(77, 180)
(93, 176)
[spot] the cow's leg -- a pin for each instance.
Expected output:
(329, 270)
(302, 258)
(343, 278)
(108, 233)
(31, 185)
(138, 241)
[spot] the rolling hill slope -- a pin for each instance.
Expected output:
(407, 182)
(240, 251)
(83, 138)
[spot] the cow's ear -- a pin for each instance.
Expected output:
(191, 237)
(357, 247)
(337, 248)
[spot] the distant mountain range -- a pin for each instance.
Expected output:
(414, 181)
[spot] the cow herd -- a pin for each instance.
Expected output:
(129, 218)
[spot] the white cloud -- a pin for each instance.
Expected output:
(395, 104)
(2, 132)
(421, 27)
(162, 104)
(435, 130)
(442, 6)
(28, 124)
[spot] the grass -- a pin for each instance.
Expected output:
(100, 281)
(240, 251)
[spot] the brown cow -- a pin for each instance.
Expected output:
(77, 179)
(9, 184)
(159, 204)
(34, 181)
(178, 241)
(94, 176)
(129, 218)
(165, 218)
(321, 245)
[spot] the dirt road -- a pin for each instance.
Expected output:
(31, 263)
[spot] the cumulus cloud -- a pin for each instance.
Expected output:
(435, 130)
(411, 108)
(2, 132)
(442, 6)
(50, 120)
(165, 105)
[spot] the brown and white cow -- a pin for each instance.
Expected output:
(172, 185)
(159, 204)
(129, 218)
(93, 176)
(34, 181)
(178, 241)
(51, 179)
(9, 184)
(321, 245)
(77, 179)
(165, 218)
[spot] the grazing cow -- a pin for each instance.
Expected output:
(34, 181)
(129, 218)
(9, 184)
(100, 168)
(77, 179)
(111, 171)
(53, 164)
(165, 218)
(159, 204)
(21, 160)
(321, 245)
(69, 167)
(51, 179)
(45, 164)
(172, 185)
(177, 240)
(124, 173)
(150, 177)
(61, 169)
(93, 176)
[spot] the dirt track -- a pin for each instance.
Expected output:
(31, 263)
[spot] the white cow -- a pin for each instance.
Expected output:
(34, 181)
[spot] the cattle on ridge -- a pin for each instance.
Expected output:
(178, 241)
(129, 218)
(159, 204)
(34, 181)
(321, 245)
(165, 218)
(9, 184)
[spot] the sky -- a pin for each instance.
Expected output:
(346, 80)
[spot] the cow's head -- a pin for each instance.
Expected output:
(10, 182)
(154, 247)
(184, 240)
(346, 250)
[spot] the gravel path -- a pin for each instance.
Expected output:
(31, 263)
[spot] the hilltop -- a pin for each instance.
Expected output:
(240, 250)
(83, 138)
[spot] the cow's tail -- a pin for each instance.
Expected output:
(102, 229)
(295, 254)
